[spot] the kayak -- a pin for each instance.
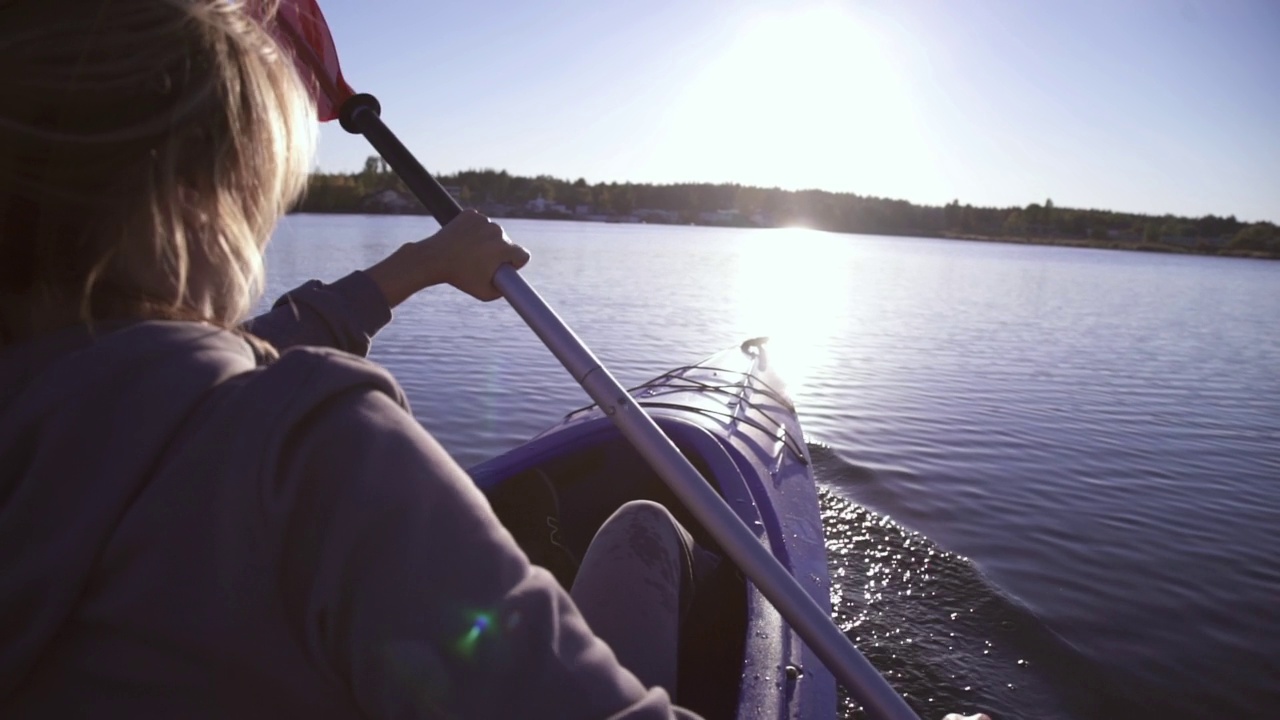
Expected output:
(730, 415)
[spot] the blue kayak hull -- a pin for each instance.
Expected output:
(731, 416)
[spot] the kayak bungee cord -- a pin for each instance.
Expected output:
(300, 26)
(675, 381)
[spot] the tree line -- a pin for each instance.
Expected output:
(498, 193)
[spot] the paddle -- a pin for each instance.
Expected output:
(302, 28)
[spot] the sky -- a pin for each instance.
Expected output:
(1151, 106)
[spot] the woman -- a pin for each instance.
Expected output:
(193, 522)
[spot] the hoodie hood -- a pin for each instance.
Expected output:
(85, 418)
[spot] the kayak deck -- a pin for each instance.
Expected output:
(730, 416)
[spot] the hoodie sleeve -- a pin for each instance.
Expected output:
(408, 589)
(344, 315)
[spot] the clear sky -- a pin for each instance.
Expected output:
(1137, 105)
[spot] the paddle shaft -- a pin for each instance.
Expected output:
(360, 115)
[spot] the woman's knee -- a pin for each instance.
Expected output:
(647, 529)
(644, 512)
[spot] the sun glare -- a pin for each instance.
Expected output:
(802, 98)
(790, 285)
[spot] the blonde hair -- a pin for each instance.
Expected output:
(147, 150)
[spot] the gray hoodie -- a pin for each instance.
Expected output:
(189, 531)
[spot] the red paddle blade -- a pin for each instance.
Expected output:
(300, 27)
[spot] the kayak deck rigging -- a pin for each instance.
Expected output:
(744, 409)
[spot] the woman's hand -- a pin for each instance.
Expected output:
(465, 253)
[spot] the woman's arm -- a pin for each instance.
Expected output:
(407, 588)
(347, 314)
(344, 315)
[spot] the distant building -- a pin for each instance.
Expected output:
(541, 205)
(721, 217)
(657, 216)
(388, 201)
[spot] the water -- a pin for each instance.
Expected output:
(1051, 476)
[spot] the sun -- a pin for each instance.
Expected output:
(803, 98)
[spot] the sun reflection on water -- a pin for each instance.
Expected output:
(790, 285)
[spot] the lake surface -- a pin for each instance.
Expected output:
(1051, 475)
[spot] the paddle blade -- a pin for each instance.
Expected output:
(300, 27)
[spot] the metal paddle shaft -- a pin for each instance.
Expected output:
(360, 115)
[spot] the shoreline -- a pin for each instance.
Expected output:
(1130, 246)
(1088, 243)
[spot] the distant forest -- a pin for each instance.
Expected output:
(497, 193)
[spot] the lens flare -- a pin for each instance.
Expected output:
(481, 622)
